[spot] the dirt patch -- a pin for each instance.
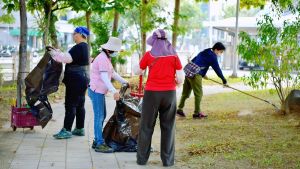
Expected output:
(245, 113)
(195, 150)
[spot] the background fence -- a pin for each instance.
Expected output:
(9, 66)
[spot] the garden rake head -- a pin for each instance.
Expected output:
(266, 101)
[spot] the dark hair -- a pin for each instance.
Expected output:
(218, 46)
(107, 52)
(83, 36)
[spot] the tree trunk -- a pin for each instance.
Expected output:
(143, 32)
(47, 9)
(143, 43)
(22, 51)
(52, 31)
(116, 24)
(88, 25)
(175, 23)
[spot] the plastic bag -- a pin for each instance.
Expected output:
(121, 131)
(40, 82)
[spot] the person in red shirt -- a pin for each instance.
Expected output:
(165, 72)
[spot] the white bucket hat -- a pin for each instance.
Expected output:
(113, 44)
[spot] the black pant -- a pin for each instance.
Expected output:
(163, 102)
(74, 103)
(71, 112)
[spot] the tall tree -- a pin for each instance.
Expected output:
(149, 19)
(143, 18)
(14, 5)
(115, 23)
(89, 7)
(175, 23)
(176, 18)
(88, 15)
(46, 18)
(120, 6)
(22, 51)
(143, 26)
(277, 50)
(100, 7)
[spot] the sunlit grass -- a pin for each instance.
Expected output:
(240, 132)
(230, 80)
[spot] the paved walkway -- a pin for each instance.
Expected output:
(37, 149)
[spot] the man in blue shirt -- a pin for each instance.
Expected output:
(205, 59)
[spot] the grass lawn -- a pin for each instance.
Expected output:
(229, 80)
(135, 80)
(240, 132)
(8, 93)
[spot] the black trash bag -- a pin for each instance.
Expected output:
(42, 110)
(130, 146)
(40, 82)
(121, 131)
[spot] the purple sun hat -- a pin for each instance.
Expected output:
(161, 47)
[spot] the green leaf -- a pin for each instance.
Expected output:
(7, 18)
(277, 51)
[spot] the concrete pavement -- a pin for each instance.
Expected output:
(37, 149)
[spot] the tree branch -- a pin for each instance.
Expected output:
(281, 89)
(275, 82)
(57, 8)
(54, 3)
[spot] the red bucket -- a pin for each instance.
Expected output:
(22, 118)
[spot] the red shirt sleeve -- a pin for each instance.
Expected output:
(178, 65)
(144, 61)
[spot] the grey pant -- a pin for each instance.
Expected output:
(163, 102)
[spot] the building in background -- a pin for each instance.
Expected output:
(10, 33)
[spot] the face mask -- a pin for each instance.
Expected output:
(114, 54)
(219, 54)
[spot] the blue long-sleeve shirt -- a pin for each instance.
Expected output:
(208, 58)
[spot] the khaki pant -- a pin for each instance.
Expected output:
(190, 84)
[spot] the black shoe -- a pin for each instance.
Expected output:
(141, 163)
(199, 116)
(167, 165)
(94, 144)
(180, 113)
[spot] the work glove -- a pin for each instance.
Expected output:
(60, 56)
(53, 51)
(224, 82)
(126, 84)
